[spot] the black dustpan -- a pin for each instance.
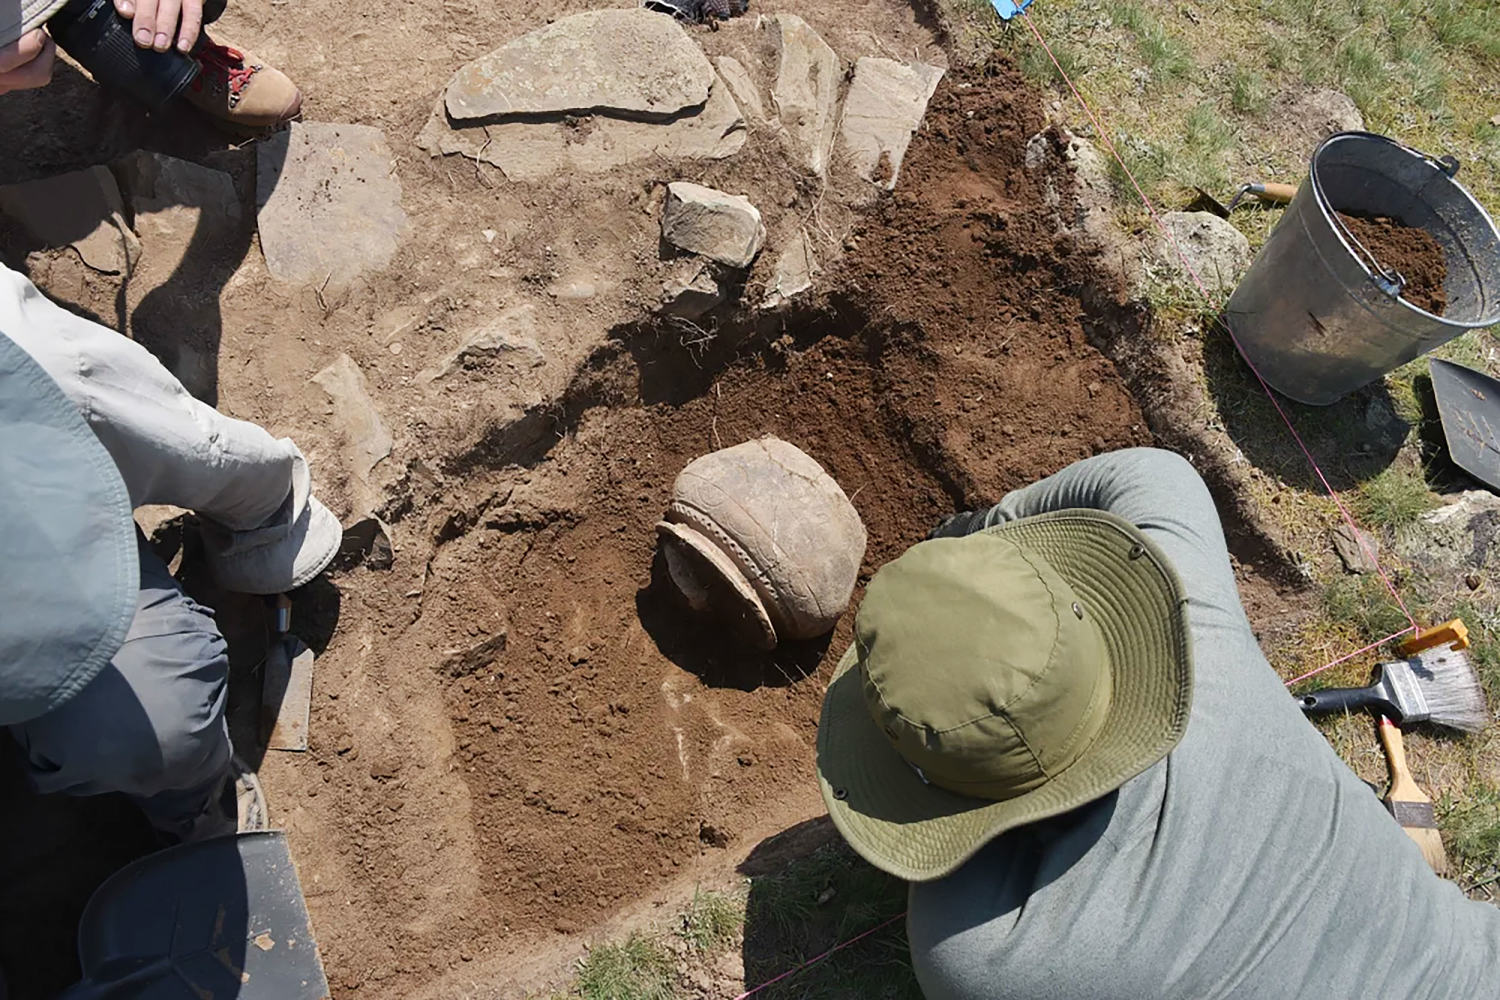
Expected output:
(1469, 406)
(222, 918)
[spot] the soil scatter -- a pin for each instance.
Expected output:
(603, 739)
(1413, 252)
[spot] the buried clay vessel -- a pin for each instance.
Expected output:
(762, 538)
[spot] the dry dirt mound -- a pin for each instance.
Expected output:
(528, 734)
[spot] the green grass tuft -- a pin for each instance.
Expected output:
(1393, 499)
(713, 920)
(638, 969)
(1364, 604)
(1248, 92)
(1470, 823)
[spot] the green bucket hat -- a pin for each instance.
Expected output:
(1000, 679)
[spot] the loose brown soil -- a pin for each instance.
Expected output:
(1413, 252)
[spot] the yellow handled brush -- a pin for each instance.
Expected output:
(1411, 806)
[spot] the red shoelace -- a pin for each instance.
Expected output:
(224, 63)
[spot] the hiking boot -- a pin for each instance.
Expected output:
(238, 90)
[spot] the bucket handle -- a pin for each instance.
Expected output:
(1391, 282)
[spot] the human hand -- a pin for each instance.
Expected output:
(26, 63)
(153, 22)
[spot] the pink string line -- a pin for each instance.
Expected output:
(1218, 308)
(1350, 656)
(814, 961)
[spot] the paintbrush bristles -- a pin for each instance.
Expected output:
(1451, 689)
(1431, 844)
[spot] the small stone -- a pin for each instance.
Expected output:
(395, 348)
(793, 273)
(511, 339)
(742, 85)
(1218, 253)
(1353, 554)
(722, 227)
(367, 541)
(1495, 121)
(1473, 581)
(618, 60)
(694, 295)
(886, 102)
(366, 438)
(807, 86)
(488, 234)
(329, 203)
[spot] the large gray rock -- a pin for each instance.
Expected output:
(1218, 253)
(82, 210)
(1455, 541)
(719, 226)
(330, 203)
(533, 151)
(633, 61)
(1316, 114)
(367, 442)
(886, 102)
(806, 90)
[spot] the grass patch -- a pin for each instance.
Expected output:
(713, 920)
(1393, 499)
(1363, 606)
(1470, 823)
(1248, 93)
(637, 969)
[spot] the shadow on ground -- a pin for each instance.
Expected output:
(799, 909)
(1352, 440)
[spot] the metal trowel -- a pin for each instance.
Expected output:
(1469, 407)
(221, 918)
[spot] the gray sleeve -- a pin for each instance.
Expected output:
(1157, 491)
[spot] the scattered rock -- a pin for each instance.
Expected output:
(367, 541)
(82, 209)
(175, 204)
(329, 203)
(463, 662)
(886, 102)
(806, 89)
(793, 274)
(1317, 114)
(632, 61)
(1217, 252)
(742, 85)
(592, 144)
(722, 227)
(1456, 540)
(1388, 429)
(1359, 551)
(692, 296)
(510, 338)
(367, 439)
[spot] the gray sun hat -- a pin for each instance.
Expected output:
(999, 679)
(17, 17)
(68, 591)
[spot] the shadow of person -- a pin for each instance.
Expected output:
(714, 649)
(809, 893)
(187, 193)
(1352, 440)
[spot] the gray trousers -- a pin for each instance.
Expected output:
(152, 724)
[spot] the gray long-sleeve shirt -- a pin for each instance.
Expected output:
(1251, 862)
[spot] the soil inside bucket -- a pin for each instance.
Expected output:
(1413, 252)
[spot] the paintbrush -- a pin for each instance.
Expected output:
(1411, 806)
(1434, 685)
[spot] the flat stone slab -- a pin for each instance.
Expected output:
(793, 272)
(806, 90)
(742, 85)
(885, 105)
(510, 339)
(634, 61)
(1218, 253)
(329, 203)
(81, 209)
(712, 224)
(532, 151)
(368, 441)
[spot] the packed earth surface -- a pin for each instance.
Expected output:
(519, 738)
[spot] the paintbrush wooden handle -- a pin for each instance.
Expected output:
(1404, 787)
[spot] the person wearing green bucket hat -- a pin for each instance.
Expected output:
(1055, 722)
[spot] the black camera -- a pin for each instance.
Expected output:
(93, 32)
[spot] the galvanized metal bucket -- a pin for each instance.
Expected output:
(1317, 315)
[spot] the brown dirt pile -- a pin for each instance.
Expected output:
(603, 739)
(1413, 252)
